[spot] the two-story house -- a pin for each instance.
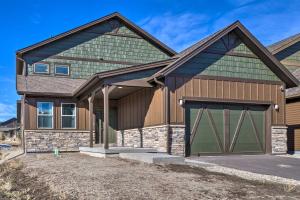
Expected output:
(109, 82)
(287, 51)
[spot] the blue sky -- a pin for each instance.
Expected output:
(177, 23)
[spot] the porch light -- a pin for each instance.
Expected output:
(276, 107)
(181, 102)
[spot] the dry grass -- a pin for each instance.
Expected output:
(14, 184)
(84, 177)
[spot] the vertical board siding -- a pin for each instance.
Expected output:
(223, 89)
(293, 113)
(82, 113)
(142, 108)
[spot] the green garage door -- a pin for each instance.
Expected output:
(225, 128)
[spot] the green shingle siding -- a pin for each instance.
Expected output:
(89, 44)
(227, 65)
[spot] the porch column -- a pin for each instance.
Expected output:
(91, 117)
(105, 91)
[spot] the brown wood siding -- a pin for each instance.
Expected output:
(293, 113)
(242, 89)
(31, 113)
(141, 109)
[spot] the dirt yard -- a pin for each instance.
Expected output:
(76, 176)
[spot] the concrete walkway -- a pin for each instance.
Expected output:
(285, 167)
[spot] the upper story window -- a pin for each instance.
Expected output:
(41, 68)
(44, 114)
(63, 70)
(68, 115)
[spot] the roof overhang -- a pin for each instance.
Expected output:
(112, 77)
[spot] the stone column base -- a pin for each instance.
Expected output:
(279, 139)
(165, 138)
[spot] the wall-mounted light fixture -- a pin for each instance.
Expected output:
(276, 107)
(181, 102)
(282, 88)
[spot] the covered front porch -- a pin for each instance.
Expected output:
(106, 94)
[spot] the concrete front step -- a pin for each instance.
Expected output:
(113, 151)
(153, 158)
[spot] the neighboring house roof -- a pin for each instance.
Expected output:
(117, 15)
(280, 46)
(295, 91)
(248, 38)
(9, 123)
(47, 85)
(283, 44)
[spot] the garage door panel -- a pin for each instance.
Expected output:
(204, 139)
(226, 128)
(246, 140)
(216, 114)
(258, 116)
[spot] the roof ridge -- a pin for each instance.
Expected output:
(274, 64)
(277, 46)
(129, 23)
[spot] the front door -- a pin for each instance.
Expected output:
(225, 128)
(112, 126)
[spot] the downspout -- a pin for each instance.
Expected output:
(23, 122)
(22, 113)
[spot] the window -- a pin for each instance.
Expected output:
(62, 70)
(45, 114)
(68, 115)
(41, 68)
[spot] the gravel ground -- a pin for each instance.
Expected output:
(79, 176)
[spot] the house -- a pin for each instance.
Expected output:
(111, 83)
(9, 128)
(288, 52)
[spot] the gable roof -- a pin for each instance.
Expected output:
(117, 15)
(109, 74)
(248, 38)
(283, 44)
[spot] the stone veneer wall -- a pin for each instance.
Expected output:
(47, 140)
(279, 139)
(155, 137)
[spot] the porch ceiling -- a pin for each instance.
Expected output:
(118, 92)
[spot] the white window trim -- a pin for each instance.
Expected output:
(48, 66)
(61, 116)
(62, 65)
(37, 119)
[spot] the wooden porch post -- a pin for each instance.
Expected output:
(91, 117)
(105, 91)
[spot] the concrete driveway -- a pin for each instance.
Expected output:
(286, 167)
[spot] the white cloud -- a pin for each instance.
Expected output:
(177, 30)
(7, 111)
